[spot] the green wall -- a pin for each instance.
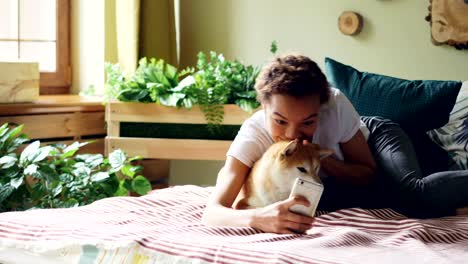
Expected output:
(395, 41)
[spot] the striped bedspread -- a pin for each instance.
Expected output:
(164, 227)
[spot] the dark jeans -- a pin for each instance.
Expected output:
(400, 183)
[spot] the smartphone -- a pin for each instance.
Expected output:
(312, 191)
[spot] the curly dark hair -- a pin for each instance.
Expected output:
(294, 75)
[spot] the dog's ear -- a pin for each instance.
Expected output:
(290, 148)
(323, 153)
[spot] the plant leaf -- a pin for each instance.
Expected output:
(73, 147)
(72, 202)
(8, 161)
(42, 153)
(247, 105)
(29, 152)
(100, 176)
(171, 73)
(82, 172)
(187, 81)
(90, 160)
(31, 169)
(135, 158)
(17, 142)
(9, 134)
(16, 182)
(162, 79)
(5, 191)
(117, 159)
(57, 189)
(141, 185)
(274, 47)
(172, 99)
(38, 191)
(127, 170)
(110, 186)
(3, 129)
(121, 191)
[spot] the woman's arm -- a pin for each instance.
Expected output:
(228, 184)
(274, 218)
(358, 166)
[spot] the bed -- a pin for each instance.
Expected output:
(164, 227)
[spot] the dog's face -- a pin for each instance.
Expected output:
(296, 159)
(273, 176)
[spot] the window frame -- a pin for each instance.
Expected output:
(59, 82)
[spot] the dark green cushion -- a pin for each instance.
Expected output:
(417, 105)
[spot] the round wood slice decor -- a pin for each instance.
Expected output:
(350, 23)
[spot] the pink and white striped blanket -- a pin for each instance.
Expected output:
(164, 227)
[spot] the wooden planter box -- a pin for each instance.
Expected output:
(166, 148)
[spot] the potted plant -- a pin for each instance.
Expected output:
(189, 114)
(55, 176)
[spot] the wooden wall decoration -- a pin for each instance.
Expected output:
(449, 22)
(350, 23)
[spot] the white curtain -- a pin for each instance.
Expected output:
(128, 26)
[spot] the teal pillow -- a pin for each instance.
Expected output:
(417, 105)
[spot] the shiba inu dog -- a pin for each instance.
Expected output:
(272, 177)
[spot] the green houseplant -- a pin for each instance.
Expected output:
(158, 129)
(55, 176)
(214, 81)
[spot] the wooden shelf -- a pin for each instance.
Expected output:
(60, 118)
(47, 104)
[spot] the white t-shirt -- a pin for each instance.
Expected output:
(338, 123)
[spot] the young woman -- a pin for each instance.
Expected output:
(297, 103)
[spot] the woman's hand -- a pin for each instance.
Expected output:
(276, 218)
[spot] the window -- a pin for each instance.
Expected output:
(38, 30)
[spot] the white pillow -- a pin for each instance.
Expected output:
(453, 136)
